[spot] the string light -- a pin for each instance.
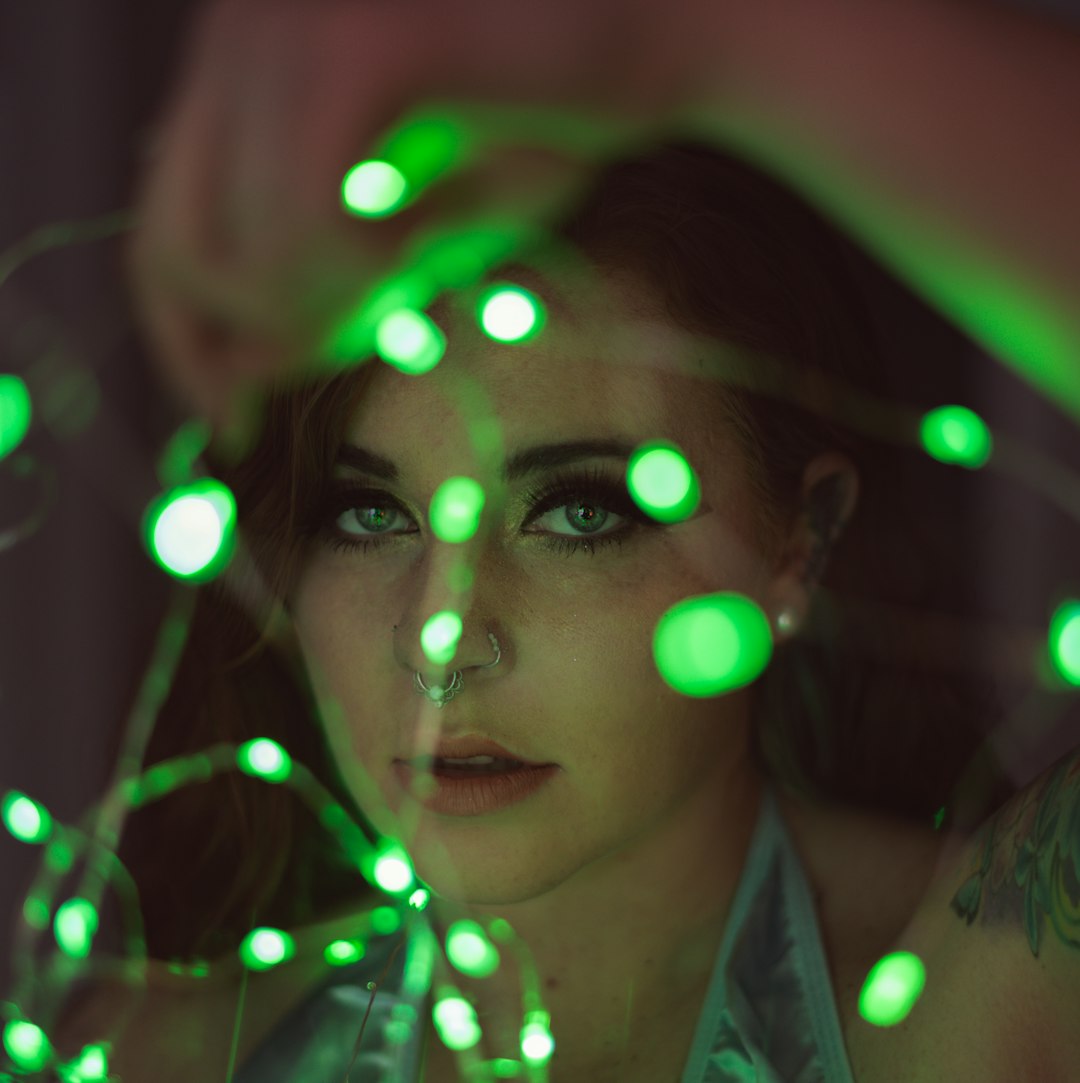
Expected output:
(957, 435)
(75, 924)
(468, 949)
(264, 759)
(265, 948)
(1064, 640)
(15, 412)
(662, 482)
(702, 646)
(891, 989)
(410, 341)
(439, 638)
(455, 509)
(26, 819)
(511, 314)
(373, 189)
(712, 644)
(189, 531)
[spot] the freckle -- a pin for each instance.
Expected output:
(552, 983)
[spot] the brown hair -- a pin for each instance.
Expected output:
(737, 257)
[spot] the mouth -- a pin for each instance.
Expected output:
(468, 767)
(469, 757)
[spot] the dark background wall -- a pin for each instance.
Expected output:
(80, 84)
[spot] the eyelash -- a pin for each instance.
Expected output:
(589, 487)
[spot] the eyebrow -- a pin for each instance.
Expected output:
(520, 464)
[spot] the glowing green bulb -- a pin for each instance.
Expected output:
(455, 1020)
(190, 530)
(957, 435)
(265, 948)
(36, 912)
(468, 948)
(26, 1045)
(344, 952)
(420, 898)
(410, 341)
(14, 413)
(90, 1066)
(393, 871)
(662, 482)
(1064, 641)
(74, 926)
(385, 920)
(265, 759)
(511, 314)
(27, 820)
(440, 635)
(537, 1042)
(373, 189)
(455, 509)
(711, 644)
(891, 988)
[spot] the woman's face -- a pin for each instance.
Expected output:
(572, 587)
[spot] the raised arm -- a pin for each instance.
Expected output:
(941, 133)
(944, 135)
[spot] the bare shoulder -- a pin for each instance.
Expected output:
(998, 931)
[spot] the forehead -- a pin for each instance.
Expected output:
(607, 362)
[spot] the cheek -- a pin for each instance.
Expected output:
(333, 637)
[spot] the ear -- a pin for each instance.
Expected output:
(829, 495)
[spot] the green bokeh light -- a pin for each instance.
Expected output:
(26, 1045)
(385, 920)
(510, 314)
(190, 531)
(440, 636)
(36, 912)
(469, 949)
(711, 644)
(662, 482)
(344, 952)
(25, 818)
(420, 899)
(393, 870)
(91, 1065)
(537, 1041)
(373, 189)
(265, 948)
(455, 509)
(1064, 640)
(455, 1020)
(891, 988)
(15, 411)
(410, 341)
(956, 435)
(74, 927)
(265, 759)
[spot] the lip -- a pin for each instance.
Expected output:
(461, 748)
(476, 796)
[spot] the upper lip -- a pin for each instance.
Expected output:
(461, 748)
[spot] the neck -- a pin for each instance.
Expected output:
(627, 943)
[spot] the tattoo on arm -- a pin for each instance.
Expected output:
(1026, 860)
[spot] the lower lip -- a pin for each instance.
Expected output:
(479, 795)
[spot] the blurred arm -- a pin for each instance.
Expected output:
(943, 135)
